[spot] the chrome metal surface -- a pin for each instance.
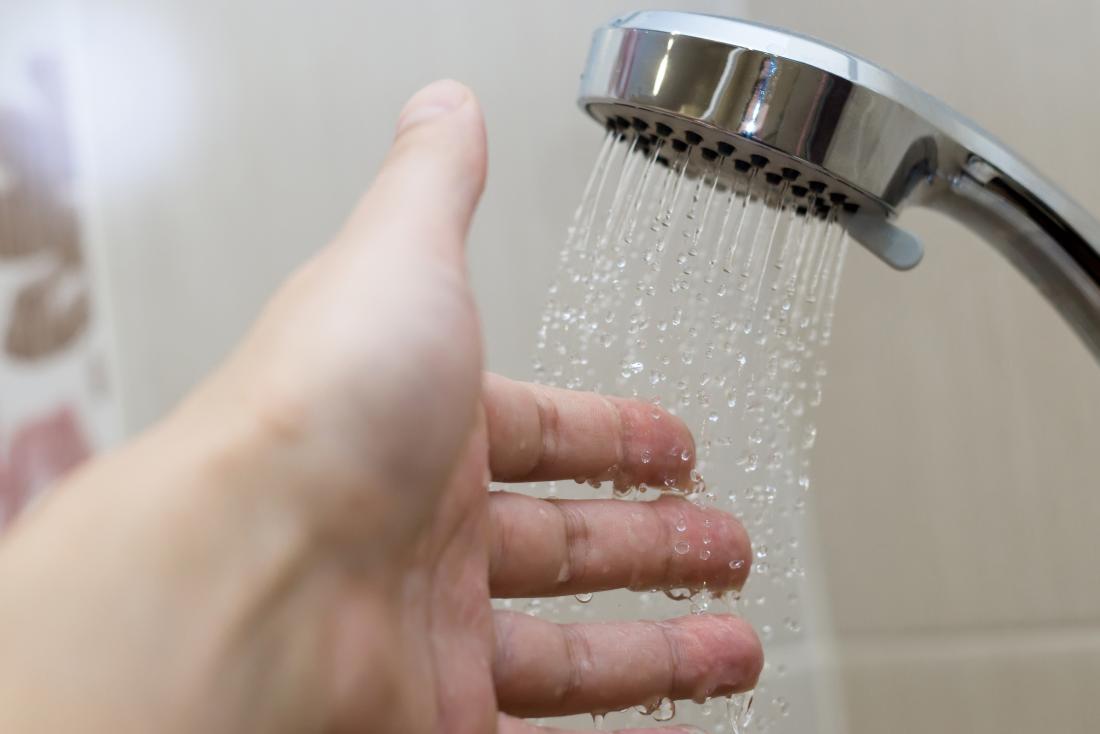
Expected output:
(818, 110)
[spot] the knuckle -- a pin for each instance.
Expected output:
(578, 653)
(577, 541)
(549, 419)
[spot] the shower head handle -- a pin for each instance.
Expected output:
(861, 133)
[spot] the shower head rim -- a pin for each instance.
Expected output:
(955, 133)
(821, 55)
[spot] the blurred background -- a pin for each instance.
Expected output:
(164, 164)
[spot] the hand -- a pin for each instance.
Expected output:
(307, 543)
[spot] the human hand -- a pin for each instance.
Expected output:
(307, 544)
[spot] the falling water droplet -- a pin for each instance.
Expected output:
(667, 313)
(666, 710)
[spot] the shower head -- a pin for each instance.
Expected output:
(730, 98)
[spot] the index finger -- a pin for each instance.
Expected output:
(539, 433)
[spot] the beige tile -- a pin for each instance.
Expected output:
(1021, 682)
(957, 466)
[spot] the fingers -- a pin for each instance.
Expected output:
(510, 725)
(540, 433)
(552, 548)
(546, 669)
(425, 194)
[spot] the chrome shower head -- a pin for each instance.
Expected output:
(841, 132)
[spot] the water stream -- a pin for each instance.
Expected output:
(715, 302)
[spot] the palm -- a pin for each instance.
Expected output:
(456, 619)
(418, 441)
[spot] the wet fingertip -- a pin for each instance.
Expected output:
(739, 568)
(686, 476)
(658, 453)
(685, 436)
(740, 564)
(751, 662)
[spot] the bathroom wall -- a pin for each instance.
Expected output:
(957, 467)
(955, 462)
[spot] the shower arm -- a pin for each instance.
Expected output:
(1054, 250)
(847, 121)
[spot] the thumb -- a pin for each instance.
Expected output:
(424, 197)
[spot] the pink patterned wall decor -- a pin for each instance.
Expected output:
(56, 404)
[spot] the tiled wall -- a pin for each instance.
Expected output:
(958, 498)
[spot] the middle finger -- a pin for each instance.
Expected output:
(553, 548)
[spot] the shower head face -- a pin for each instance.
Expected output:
(715, 153)
(799, 104)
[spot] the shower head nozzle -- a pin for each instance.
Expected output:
(736, 98)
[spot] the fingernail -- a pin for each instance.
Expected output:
(438, 98)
